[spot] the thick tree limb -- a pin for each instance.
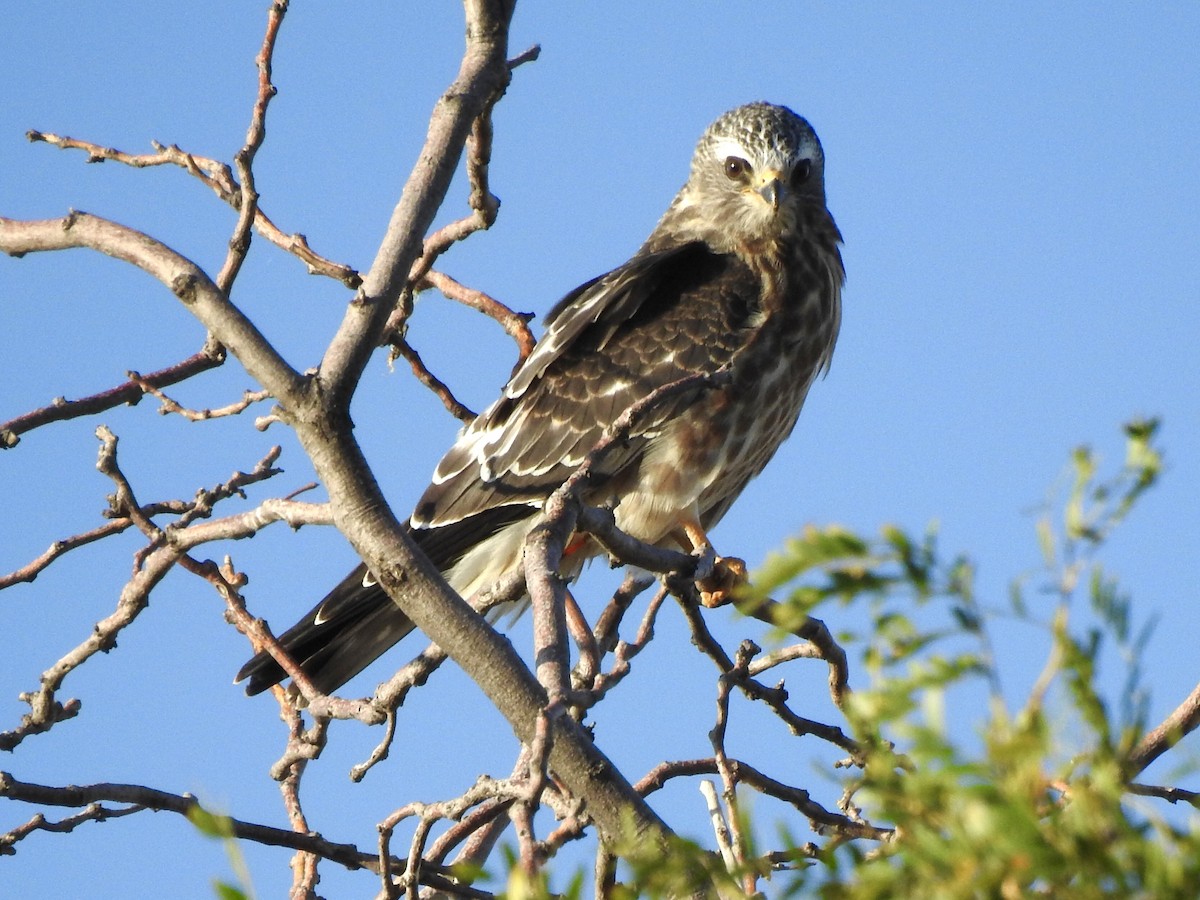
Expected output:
(360, 510)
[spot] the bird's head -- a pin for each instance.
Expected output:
(754, 170)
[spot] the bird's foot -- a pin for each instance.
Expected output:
(719, 586)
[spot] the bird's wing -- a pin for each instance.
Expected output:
(660, 317)
(609, 343)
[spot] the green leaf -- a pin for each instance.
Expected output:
(227, 891)
(210, 824)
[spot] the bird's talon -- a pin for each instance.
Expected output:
(719, 587)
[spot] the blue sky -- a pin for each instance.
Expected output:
(1018, 190)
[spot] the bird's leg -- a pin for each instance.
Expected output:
(716, 576)
(691, 537)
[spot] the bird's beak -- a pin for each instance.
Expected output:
(771, 187)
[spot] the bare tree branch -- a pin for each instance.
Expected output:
(560, 767)
(141, 798)
(219, 178)
(247, 203)
(821, 818)
(1183, 720)
(359, 508)
(514, 323)
(623, 654)
(153, 565)
(482, 78)
(484, 789)
(190, 284)
(634, 583)
(61, 409)
(167, 547)
(734, 848)
(31, 570)
(821, 646)
(775, 698)
(198, 415)
(1170, 794)
(401, 347)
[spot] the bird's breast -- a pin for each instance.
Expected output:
(707, 454)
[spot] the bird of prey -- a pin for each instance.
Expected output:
(742, 273)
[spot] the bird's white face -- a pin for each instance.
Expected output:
(764, 162)
(752, 172)
(765, 172)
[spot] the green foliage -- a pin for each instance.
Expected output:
(1037, 804)
(220, 828)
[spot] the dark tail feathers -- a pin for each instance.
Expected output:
(338, 638)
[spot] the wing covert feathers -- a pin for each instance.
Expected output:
(654, 320)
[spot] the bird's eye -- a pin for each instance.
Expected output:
(801, 172)
(736, 167)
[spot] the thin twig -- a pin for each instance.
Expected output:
(588, 667)
(219, 178)
(247, 202)
(623, 655)
(775, 698)
(413, 873)
(609, 621)
(35, 567)
(304, 863)
(821, 646)
(61, 409)
(401, 347)
(736, 854)
(197, 415)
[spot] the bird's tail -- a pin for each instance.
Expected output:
(338, 638)
(357, 622)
